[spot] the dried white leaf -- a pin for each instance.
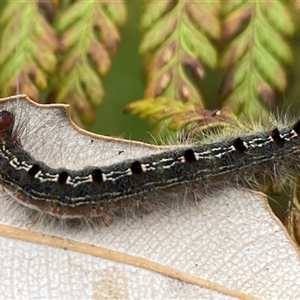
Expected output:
(229, 240)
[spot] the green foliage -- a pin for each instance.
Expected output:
(36, 43)
(86, 52)
(63, 53)
(176, 42)
(254, 55)
(181, 115)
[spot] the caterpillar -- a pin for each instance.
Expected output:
(93, 191)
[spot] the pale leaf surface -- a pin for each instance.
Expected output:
(229, 241)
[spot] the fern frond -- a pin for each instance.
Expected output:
(89, 35)
(177, 45)
(158, 109)
(27, 49)
(188, 116)
(255, 54)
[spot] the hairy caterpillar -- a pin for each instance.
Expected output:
(104, 188)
